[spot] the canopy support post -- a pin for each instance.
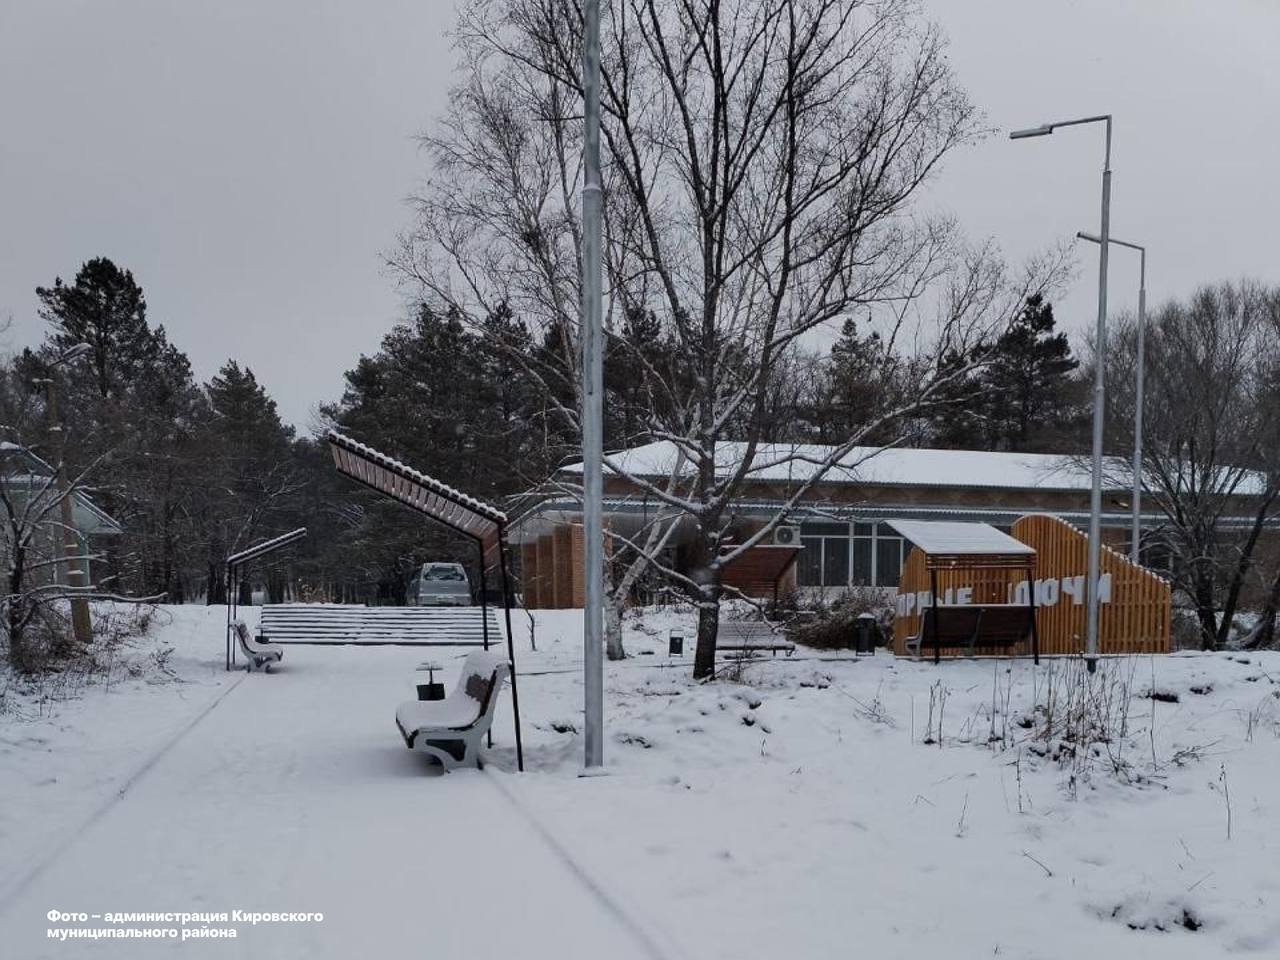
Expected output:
(1031, 601)
(511, 649)
(933, 613)
(484, 613)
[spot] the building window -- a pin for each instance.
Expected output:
(849, 554)
(824, 561)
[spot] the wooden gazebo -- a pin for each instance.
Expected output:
(1044, 565)
(954, 591)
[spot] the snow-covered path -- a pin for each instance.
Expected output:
(295, 793)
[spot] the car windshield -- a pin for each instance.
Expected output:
(444, 573)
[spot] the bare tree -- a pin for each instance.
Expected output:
(31, 500)
(761, 162)
(1211, 439)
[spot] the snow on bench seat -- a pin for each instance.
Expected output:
(450, 730)
(259, 655)
(348, 624)
(750, 636)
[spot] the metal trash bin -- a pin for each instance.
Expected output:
(866, 634)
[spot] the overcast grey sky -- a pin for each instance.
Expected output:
(248, 160)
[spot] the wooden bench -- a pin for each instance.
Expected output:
(974, 625)
(338, 624)
(258, 656)
(450, 730)
(745, 637)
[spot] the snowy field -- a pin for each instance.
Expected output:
(817, 806)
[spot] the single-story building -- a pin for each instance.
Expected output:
(836, 537)
(30, 488)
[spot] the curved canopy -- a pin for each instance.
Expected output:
(415, 490)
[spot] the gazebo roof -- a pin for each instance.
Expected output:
(949, 543)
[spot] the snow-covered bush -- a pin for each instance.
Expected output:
(831, 626)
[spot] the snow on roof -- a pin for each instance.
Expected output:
(892, 466)
(954, 537)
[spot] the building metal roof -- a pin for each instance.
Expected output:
(892, 466)
(33, 478)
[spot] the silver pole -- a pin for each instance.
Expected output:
(1099, 407)
(1139, 391)
(592, 399)
(1134, 552)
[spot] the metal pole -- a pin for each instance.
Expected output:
(1134, 552)
(592, 401)
(68, 564)
(1139, 390)
(511, 647)
(1099, 407)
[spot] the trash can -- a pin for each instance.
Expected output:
(431, 690)
(866, 634)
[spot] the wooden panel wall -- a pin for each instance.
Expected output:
(1136, 620)
(562, 568)
(546, 574)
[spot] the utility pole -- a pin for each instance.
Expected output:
(592, 399)
(66, 542)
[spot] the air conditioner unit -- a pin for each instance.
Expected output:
(786, 536)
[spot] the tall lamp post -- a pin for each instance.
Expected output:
(592, 400)
(1099, 388)
(1136, 535)
(66, 544)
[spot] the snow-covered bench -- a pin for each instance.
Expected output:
(451, 729)
(258, 655)
(745, 637)
(317, 624)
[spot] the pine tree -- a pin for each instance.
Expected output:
(1028, 386)
(105, 308)
(1023, 399)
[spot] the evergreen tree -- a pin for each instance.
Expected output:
(250, 468)
(1028, 387)
(1025, 398)
(105, 308)
(131, 407)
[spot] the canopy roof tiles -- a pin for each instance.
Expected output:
(397, 480)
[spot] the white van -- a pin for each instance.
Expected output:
(440, 585)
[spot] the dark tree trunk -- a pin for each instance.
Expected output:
(1206, 614)
(704, 657)
(215, 588)
(1266, 635)
(16, 620)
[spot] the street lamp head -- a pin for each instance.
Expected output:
(1041, 131)
(1091, 237)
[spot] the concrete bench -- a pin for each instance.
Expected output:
(450, 730)
(745, 637)
(257, 655)
(344, 624)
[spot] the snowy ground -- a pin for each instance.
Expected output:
(796, 811)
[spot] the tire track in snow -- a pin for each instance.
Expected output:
(633, 926)
(10, 893)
